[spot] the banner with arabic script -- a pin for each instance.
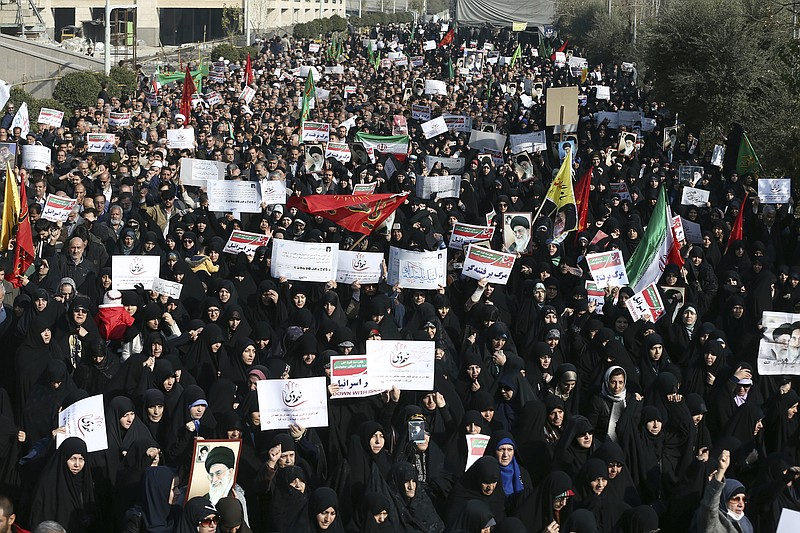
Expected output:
(608, 269)
(405, 364)
(417, 270)
(482, 263)
(284, 402)
(351, 374)
(646, 304)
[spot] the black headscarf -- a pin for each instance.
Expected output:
(157, 513)
(484, 470)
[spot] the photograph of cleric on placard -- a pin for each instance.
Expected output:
(517, 233)
(214, 469)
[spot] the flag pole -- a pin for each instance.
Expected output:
(363, 236)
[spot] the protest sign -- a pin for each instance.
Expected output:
(399, 125)
(351, 374)
(692, 232)
(121, 120)
(58, 208)
(272, 191)
(50, 117)
(197, 172)
(335, 69)
(105, 143)
(127, 271)
(313, 47)
(483, 140)
(593, 294)
(482, 263)
(181, 139)
(693, 196)
(562, 106)
(21, 121)
(453, 164)
(677, 227)
(417, 270)
(86, 420)
(247, 94)
(364, 267)
(476, 447)
(314, 132)
(365, 188)
(244, 241)
(420, 112)
(338, 151)
(284, 402)
(35, 156)
(458, 122)
(789, 521)
(646, 304)
(8, 153)
(167, 288)
(608, 269)
(303, 261)
(444, 186)
(429, 45)
(528, 142)
(228, 196)
(778, 351)
(213, 98)
(771, 191)
(408, 365)
(602, 92)
(621, 188)
(435, 87)
(210, 474)
(464, 234)
(434, 128)
(690, 175)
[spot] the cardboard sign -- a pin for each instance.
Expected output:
(364, 267)
(693, 196)
(168, 288)
(351, 374)
(105, 143)
(303, 261)
(408, 365)
(120, 120)
(434, 128)
(58, 208)
(86, 420)
(196, 172)
(464, 234)
(487, 140)
(528, 142)
(338, 151)
(314, 132)
(50, 117)
(35, 157)
(284, 402)
(770, 191)
(127, 271)
(244, 241)
(445, 186)
(417, 270)
(273, 192)
(482, 263)
(454, 164)
(435, 87)
(233, 196)
(646, 304)
(562, 106)
(181, 139)
(608, 269)
(247, 94)
(420, 112)
(458, 122)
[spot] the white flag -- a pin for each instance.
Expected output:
(21, 120)
(5, 93)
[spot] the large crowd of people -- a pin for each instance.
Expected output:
(595, 422)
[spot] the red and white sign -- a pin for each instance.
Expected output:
(50, 117)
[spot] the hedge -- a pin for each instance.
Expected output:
(317, 27)
(233, 53)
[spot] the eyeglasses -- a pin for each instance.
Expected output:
(615, 465)
(739, 499)
(743, 386)
(208, 521)
(80, 311)
(586, 434)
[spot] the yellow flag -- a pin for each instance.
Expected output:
(560, 199)
(10, 208)
(519, 26)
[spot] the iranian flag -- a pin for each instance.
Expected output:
(397, 145)
(656, 249)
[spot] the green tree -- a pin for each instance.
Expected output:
(78, 89)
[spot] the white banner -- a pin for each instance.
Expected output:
(486, 140)
(122, 120)
(314, 132)
(105, 143)
(243, 241)
(284, 402)
(169, 288)
(435, 87)
(303, 261)
(197, 172)
(338, 151)
(693, 196)
(129, 270)
(351, 374)
(50, 117)
(778, 351)
(417, 270)
(364, 267)
(608, 269)
(21, 120)
(528, 142)
(405, 364)
(434, 127)
(444, 186)
(86, 420)
(273, 191)
(35, 156)
(58, 208)
(482, 263)
(464, 234)
(774, 191)
(458, 122)
(181, 139)
(420, 112)
(454, 164)
(227, 196)
(476, 447)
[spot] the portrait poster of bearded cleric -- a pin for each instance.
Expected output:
(214, 469)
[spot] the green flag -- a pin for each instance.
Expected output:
(450, 70)
(747, 161)
(517, 55)
(371, 55)
(308, 94)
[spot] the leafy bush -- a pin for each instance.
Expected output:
(372, 19)
(78, 89)
(233, 53)
(317, 27)
(123, 79)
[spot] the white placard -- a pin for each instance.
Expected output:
(603, 92)
(228, 196)
(405, 364)
(122, 120)
(197, 172)
(677, 227)
(105, 143)
(420, 112)
(314, 132)
(169, 288)
(247, 94)
(351, 374)
(273, 191)
(313, 47)
(435, 87)
(35, 157)
(58, 208)
(286, 402)
(464, 234)
(127, 271)
(458, 122)
(417, 270)
(789, 522)
(593, 294)
(646, 304)
(482, 263)
(434, 127)
(774, 191)
(244, 241)
(608, 269)
(444, 186)
(454, 164)
(429, 45)
(694, 196)
(336, 69)
(364, 267)
(476, 447)
(528, 142)
(86, 420)
(486, 140)
(50, 117)
(303, 261)
(338, 151)
(180, 139)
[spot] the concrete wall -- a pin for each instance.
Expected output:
(22, 61)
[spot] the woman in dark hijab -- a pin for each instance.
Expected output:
(373, 515)
(774, 490)
(782, 423)
(158, 511)
(620, 483)
(514, 478)
(330, 308)
(142, 454)
(575, 446)
(481, 482)
(550, 501)
(289, 495)
(472, 378)
(369, 460)
(556, 421)
(513, 393)
(65, 492)
(203, 359)
(33, 357)
(269, 304)
(475, 518)
(96, 368)
(40, 414)
(412, 509)
(237, 363)
(320, 514)
(590, 486)
(199, 516)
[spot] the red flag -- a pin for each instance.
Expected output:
(248, 70)
(560, 49)
(361, 213)
(24, 252)
(737, 233)
(448, 38)
(186, 96)
(582, 198)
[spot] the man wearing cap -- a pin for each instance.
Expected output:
(521, 227)
(220, 463)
